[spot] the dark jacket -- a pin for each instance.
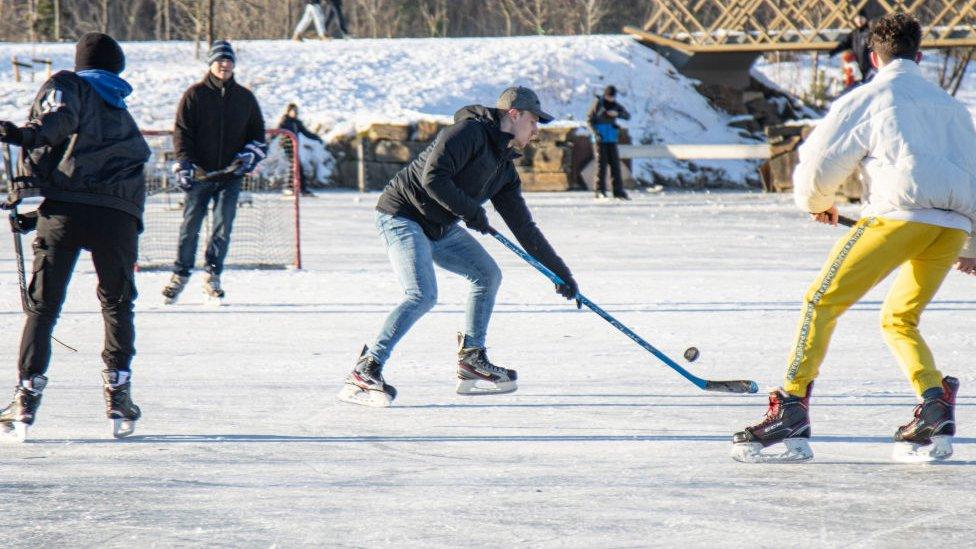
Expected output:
(859, 42)
(295, 126)
(214, 121)
(604, 127)
(80, 149)
(468, 164)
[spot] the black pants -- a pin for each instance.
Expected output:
(607, 154)
(63, 230)
(337, 13)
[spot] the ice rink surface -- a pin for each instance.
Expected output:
(242, 443)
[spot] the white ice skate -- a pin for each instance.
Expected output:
(14, 432)
(374, 398)
(939, 449)
(171, 292)
(797, 451)
(214, 294)
(122, 427)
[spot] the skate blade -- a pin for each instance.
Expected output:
(169, 300)
(122, 428)
(354, 395)
(908, 452)
(212, 300)
(797, 451)
(13, 433)
(474, 387)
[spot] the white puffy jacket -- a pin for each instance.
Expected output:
(916, 146)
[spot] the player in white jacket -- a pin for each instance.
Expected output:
(916, 147)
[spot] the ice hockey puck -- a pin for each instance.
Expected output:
(691, 354)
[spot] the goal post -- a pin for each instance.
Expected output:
(267, 227)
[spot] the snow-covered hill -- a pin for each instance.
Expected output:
(343, 84)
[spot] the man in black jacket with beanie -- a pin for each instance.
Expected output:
(468, 164)
(219, 128)
(82, 151)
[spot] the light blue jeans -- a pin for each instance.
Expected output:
(413, 256)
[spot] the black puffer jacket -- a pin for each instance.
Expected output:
(214, 121)
(468, 164)
(859, 42)
(81, 149)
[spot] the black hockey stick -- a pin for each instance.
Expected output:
(734, 386)
(25, 301)
(846, 221)
(215, 174)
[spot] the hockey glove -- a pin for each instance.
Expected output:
(253, 152)
(568, 288)
(478, 222)
(24, 223)
(184, 175)
(10, 133)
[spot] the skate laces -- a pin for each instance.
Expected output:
(481, 361)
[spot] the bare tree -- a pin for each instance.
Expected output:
(436, 16)
(591, 13)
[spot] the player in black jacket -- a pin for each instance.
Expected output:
(83, 152)
(417, 216)
(219, 127)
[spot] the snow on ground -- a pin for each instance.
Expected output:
(342, 84)
(796, 75)
(243, 445)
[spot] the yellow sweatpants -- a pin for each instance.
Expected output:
(869, 252)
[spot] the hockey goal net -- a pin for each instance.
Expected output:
(266, 233)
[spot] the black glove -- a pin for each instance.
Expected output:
(184, 175)
(10, 133)
(478, 222)
(24, 223)
(568, 288)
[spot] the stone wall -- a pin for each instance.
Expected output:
(368, 160)
(777, 172)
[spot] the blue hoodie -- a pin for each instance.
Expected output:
(109, 85)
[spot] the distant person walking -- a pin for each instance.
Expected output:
(602, 119)
(858, 42)
(315, 13)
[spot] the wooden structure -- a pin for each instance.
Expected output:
(717, 41)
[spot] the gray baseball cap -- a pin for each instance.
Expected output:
(523, 99)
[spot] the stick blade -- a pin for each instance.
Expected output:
(734, 386)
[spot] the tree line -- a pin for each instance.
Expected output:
(66, 20)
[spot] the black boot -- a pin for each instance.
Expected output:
(928, 436)
(478, 376)
(787, 420)
(365, 384)
(117, 389)
(20, 413)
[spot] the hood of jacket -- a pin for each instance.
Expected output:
(108, 85)
(491, 119)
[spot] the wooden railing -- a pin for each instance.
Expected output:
(781, 25)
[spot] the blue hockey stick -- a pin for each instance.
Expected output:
(737, 386)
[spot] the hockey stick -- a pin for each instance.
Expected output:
(25, 301)
(735, 386)
(846, 221)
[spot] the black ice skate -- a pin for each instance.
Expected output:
(365, 384)
(478, 376)
(171, 292)
(212, 289)
(787, 421)
(118, 402)
(19, 414)
(928, 436)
